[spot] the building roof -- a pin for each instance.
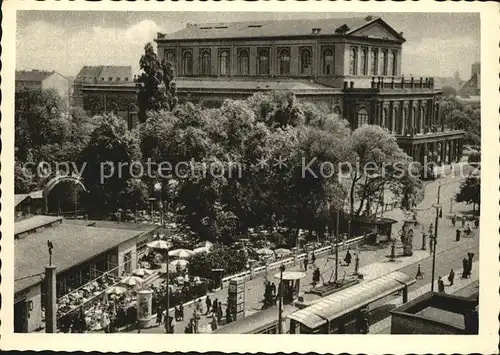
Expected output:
(73, 245)
(96, 73)
(296, 85)
(141, 227)
(33, 223)
(33, 75)
(278, 28)
(18, 198)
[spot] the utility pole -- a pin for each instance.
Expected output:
(337, 247)
(280, 310)
(168, 297)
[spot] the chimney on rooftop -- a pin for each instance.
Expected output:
(316, 30)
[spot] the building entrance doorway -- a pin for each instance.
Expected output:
(21, 317)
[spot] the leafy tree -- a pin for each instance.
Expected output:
(462, 117)
(448, 91)
(107, 158)
(377, 163)
(156, 89)
(470, 192)
(220, 257)
(37, 120)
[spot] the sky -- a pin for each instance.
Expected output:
(438, 44)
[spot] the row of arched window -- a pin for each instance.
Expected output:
(369, 62)
(263, 61)
(397, 123)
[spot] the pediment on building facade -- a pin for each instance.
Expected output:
(378, 29)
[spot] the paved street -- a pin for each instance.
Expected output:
(373, 261)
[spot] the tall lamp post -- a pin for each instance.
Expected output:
(280, 310)
(337, 247)
(434, 242)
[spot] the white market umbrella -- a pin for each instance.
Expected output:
(283, 251)
(131, 281)
(142, 272)
(201, 250)
(181, 253)
(116, 290)
(205, 244)
(265, 251)
(159, 244)
(180, 262)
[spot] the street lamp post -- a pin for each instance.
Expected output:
(280, 310)
(434, 242)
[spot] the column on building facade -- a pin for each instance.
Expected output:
(214, 67)
(411, 119)
(450, 152)
(232, 61)
(443, 152)
(178, 60)
(439, 119)
(434, 152)
(273, 56)
(196, 61)
(380, 115)
(432, 117)
(253, 61)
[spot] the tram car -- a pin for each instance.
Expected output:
(346, 312)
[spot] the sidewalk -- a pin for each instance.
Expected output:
(381, 326)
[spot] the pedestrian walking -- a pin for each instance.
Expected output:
(199, 306)
(431, 229)
(273, 289)
(159, 315)
(181, 311)
(470, 256)
(313, 258)
(457, 235)
(440, 285)
(228, 315)
(219, 312)
(214, 307)
(451, 277)
(476, 222)
(454, 220)
(208, 303)
(214, 324)
(465, 268)
(316, 276)
(419, 275)
(463, 221)
(431, 243)
(306, 262)
(348, 258)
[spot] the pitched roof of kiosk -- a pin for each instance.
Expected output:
(282, 28)
(73, 245)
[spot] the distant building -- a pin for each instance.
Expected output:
(40, 79)
(475, 68)
(440, 82)
(472, 87)
(107, 89)
(353, 65)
